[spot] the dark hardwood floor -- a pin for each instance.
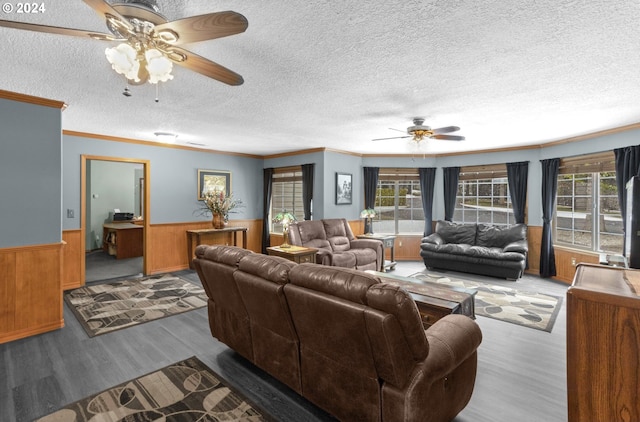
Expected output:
(521, 371)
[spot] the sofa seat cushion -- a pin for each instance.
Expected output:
(494, 253)
(454, 249)
(344, 259)
(364, 256)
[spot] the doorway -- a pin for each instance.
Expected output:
(115, 217)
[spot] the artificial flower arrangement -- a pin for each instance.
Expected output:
(217, 202)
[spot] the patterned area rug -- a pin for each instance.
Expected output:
(530, 309)
(103, 308)
(183, 392)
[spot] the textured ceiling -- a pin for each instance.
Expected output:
(338, 74)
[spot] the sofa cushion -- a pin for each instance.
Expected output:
(311, 229)
(344, 259)
(456, 233)
(339, 243)
(499, 236)
(334, 227)
(272, 268)
(454, 249)
(318, 244)
(364, 256)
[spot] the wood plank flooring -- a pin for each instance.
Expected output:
(521, 371)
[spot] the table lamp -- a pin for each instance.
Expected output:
(368, 214)
(285, 218)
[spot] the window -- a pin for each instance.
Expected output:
(286, 194)
(587, 210)
(483, 196)
(398, 202)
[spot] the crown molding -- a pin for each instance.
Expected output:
(23, 98)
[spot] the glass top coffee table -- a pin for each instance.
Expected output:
(434, 300)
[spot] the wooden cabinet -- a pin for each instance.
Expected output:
(603, 344)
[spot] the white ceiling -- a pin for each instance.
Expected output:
(335, 74)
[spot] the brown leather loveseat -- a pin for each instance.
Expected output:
(336, 244)
(341, 338)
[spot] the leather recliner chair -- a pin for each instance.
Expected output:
(336, 244)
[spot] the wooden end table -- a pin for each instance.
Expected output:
(297, 254)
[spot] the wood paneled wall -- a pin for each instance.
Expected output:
(167, 250)
(72, 257)
(565, 258)
(30, 290)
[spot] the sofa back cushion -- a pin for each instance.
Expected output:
(499, 236)
(337, 234)
(260, 279)
(328, 307)
(456, 232)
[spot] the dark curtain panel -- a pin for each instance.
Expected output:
(549, 190)
(307, 189)
(266, 202)
(517, 176)
(370, 186)
(627, 166)
(451, 175)
(427, 184)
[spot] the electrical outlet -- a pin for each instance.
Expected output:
(400, 244)
(70, 213)
(573, 261)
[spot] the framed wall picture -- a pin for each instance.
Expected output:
(343, 188)
(210, 180)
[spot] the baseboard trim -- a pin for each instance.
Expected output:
(32, 331)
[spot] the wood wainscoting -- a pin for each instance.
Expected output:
(30, 290)
(567, 259)
(72, 258)
(168, 249)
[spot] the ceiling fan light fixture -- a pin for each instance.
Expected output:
(123, 59)
(158, 66)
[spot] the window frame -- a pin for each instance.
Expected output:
(397, 177)
(282, 175)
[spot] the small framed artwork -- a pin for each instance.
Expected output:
(343, 188)
(210, 180)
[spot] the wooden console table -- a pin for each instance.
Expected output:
(198, 237)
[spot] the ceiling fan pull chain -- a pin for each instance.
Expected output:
(157, 99)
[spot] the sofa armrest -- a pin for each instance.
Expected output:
(518, 246)
(366, 243)
(324, 257)
(452, 340)
(433, 238)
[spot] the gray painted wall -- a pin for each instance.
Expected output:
(111, 185)
(30, 174)
(174, 173)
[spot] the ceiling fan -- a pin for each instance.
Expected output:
(149, 43)
(419, 132)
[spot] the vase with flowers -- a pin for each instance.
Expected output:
(219, 205)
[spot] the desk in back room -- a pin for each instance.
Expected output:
(124, 240)
(198, 237)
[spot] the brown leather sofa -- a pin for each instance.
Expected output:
(341, 338)
(336, 244)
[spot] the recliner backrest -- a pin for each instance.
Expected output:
(260, 280)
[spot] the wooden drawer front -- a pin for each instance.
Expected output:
(430, 314)
(306, 258)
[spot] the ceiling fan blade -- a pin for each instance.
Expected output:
(446, 129)
(57, 30)
(449, 137)
(203, 66)
(105, 10)
(205, 27)
(398, 130)
(395, 137)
